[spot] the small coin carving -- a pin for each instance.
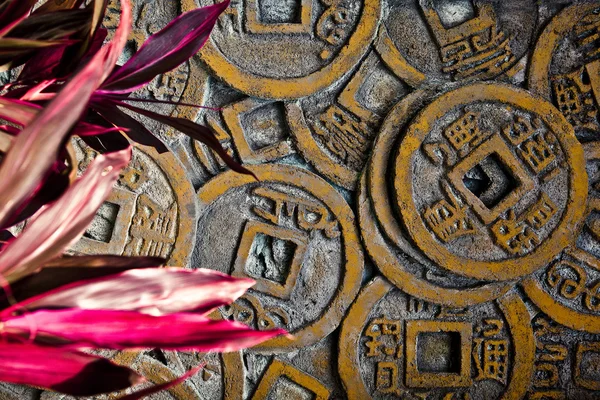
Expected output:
(251, 130)
(393, 345)
(334, 129)
(567, 289)
(566, 362)
(288, 49)
(565, 67)
(490, 182)
(150, 212)
(292, 233)
(304, 374)
(424, 41)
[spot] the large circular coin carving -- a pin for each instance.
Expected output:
(285, 50)
(425, 41)
(295, 236)
(491, 182)
(395, 346)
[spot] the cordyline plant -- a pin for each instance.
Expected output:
(54, 307)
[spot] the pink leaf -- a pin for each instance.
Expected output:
(69, 372)
(64, 221)
(166, 49)
(18, 111)
(67, 270)
(122, 330)
(154, 291)
(36, 148)
(142, 394)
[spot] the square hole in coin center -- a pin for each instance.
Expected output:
(490, 180)
(439, 352)
(280, 11)
(270, 258)
(102, 226)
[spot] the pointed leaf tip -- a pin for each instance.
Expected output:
(65, 371)
(153, 291)
(65, 220)
(120, 330)
(176, 43)
(142, 394)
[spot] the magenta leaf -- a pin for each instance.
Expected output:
(193, 130)
(14, 10)
(122, 330)
(17, 111)
(22, 112)
(36, 148)
(153, 291)
(176, 43)
(136, 131)
(64, 371)
(142, 394)
(64, 221)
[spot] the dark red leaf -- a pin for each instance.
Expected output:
(193, 130)
(137, 131)
(176, 43)
(142, 394)
(52, 26)
(55, 5)
(14, 10)
(55, 184)
(61, 370)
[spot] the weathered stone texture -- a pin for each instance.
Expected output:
(426, 217)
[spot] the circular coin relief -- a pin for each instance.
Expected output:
(295, 236)
(395, 256)
(424, 41)
(308, 373)
(566, 364)
(150, 212)
(490, 182)
(395, 346)
(288, 49)
(568, 289)
(565, 67)
(335, 128)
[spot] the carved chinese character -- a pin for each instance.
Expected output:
(513, 236)
(377, 330)
(344, 135)
(448, 219)
(476, 46)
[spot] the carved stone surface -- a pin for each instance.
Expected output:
(292, 233)
(426, 219)
(150, 212)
